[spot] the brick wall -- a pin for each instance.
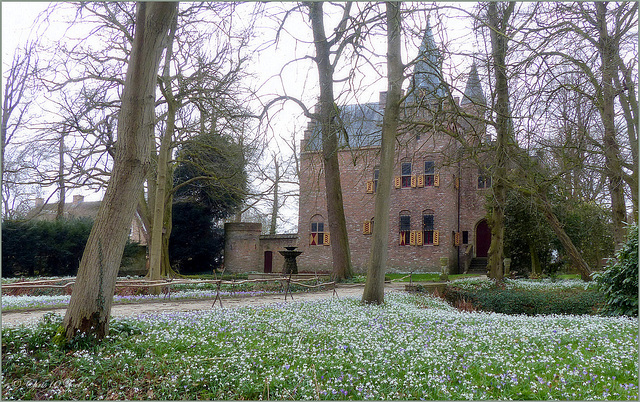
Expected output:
(275, 243)
(241, 247)
(357, 167)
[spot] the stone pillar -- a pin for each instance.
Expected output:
(444, 268)
(507, 267)
(242, 251)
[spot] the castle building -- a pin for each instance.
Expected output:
(439, 191)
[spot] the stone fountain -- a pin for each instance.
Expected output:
(290, 264)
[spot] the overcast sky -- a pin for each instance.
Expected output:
(299, 79)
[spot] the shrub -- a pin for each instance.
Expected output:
(619, 281)
(527, 301)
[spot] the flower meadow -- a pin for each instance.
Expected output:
(413, 347)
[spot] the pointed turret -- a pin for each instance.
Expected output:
(473, 93)
(427, 74)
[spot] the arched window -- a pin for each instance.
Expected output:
(317, 231)
(427, 226)
(405, 228)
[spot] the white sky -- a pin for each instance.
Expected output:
(299, 79)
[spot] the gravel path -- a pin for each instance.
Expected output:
(14, 318)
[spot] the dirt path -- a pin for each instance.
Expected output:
(13, 318)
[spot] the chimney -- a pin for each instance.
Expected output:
(39, 202)
(77, 199)
(383, 98)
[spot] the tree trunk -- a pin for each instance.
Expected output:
(92, 296)
(576, 258)
(374, 287)
(159, 232)
(340, 251)
(613, 167)
(162, 188)
(274, 210)
(498, 26)
(629, 103)
(536, 269)
(61, 189)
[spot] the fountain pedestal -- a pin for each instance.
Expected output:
(290, 265)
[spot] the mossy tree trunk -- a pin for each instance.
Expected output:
(92, 296)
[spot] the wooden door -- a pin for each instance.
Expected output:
(268, 262)
(483, 239)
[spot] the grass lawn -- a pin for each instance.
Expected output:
(413, 347)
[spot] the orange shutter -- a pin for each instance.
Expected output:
(402, 238)
(370, 187)
(456, 239)
(457, 182)
(327, 239)
(397, 181)
(436, 180)
(414, 181)
(436, 238)
(366, 228)
(412, 238)
(419, 237)
(313, 239)
(421, 180)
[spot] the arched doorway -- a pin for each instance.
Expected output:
(483, 238)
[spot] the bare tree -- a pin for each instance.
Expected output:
(15, 109)
(601, 39)
(329, 127)
(92, 296)
(498, 18)
(374, 287)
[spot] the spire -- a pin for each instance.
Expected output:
(427, 74)
(473, 91)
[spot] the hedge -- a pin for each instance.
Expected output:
(528, 302)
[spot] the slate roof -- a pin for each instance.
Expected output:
(473, 93)
(363, 125)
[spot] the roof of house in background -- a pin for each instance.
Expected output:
(76, 209)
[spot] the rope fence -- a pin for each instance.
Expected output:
(166, 285)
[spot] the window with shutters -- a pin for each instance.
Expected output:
(406, 174)
(317, 231)
(484, 179)
(427, 227)
(429, 173)
(405, 228)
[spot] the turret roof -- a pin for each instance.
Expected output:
(427, 73)
(473, 93)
